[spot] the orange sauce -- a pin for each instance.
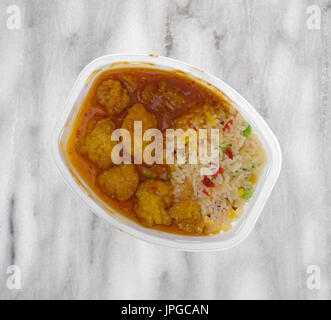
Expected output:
(195, 94)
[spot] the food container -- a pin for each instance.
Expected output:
(225, 240)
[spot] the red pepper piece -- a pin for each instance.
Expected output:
(208, 183)
(228, 125)
(229, 153)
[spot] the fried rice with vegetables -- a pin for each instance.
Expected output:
(222, 195)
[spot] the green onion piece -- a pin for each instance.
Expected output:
(248, 193)
(149, 173)
(247, 131)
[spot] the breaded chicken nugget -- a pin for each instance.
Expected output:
(112, 96)
(97, 145)
(119, 182)
(187, 216)
(153, 199)
(138, 113)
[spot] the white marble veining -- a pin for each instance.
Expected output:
(263, 49)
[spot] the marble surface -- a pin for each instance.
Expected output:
(264, 49)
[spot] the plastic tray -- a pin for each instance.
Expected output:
(253, 208)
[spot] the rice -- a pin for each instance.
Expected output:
(222, 203)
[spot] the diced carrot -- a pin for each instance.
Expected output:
(220, 171)
(205, 192)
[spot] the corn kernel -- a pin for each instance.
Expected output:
(252, 179)
(241, 192)
(232, 213)
(209, 117)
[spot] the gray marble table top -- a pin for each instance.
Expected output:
(277, 54)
